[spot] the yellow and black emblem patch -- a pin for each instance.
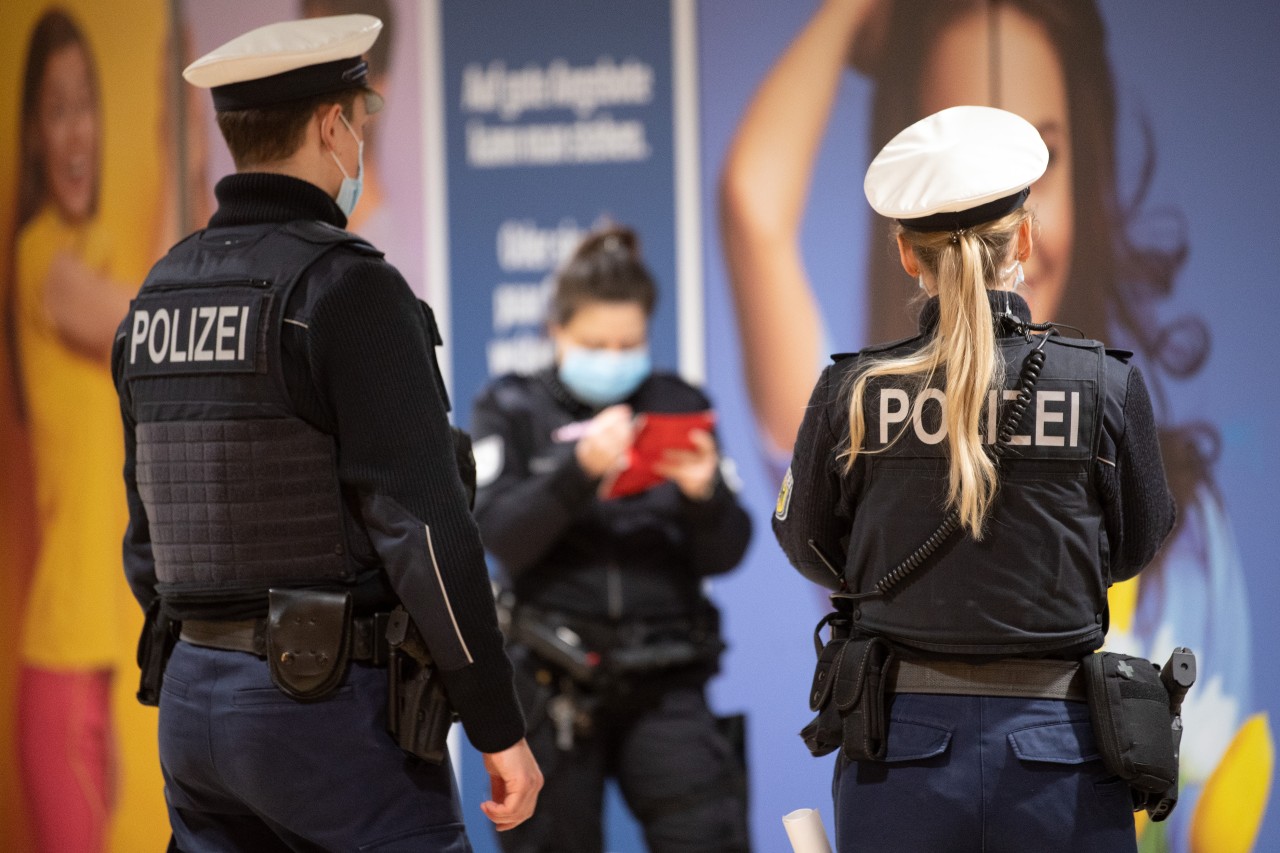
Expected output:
(784, 497)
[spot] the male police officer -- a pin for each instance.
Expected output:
(291, 480)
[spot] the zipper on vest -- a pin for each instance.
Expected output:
(201, 285)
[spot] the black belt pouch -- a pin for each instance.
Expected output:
(308, 641)
(159, 635)
(1132, 720)
(850, 694)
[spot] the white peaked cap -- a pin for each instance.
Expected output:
(956, 168)
(289, 61)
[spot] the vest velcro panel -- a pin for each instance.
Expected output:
(240, 501)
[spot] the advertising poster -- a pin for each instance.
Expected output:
(556, 119)
(88, 199)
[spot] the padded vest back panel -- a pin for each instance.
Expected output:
(240, 501)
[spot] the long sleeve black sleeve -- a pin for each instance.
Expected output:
(1145, 504)
(719, 531)
(523, 515)
(372, 365)
(810, 494)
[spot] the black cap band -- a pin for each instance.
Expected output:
(960, 219)
(325, 78)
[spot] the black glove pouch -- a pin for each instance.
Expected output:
(825, 732)
(155, 644)
(850, 694)
(308, 641)
(1132, 721)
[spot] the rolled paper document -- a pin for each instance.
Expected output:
(804, 828)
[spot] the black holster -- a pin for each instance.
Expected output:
(600, 656)
(418, 710)
(849, 693)
(155, 644)
(1136, 712)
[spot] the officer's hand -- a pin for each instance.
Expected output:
(693, 471)
(514, 781)
(607, 437)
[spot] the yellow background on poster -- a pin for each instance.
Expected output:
(128, 39)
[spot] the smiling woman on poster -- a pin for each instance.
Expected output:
(65, 305)
(1087, 271)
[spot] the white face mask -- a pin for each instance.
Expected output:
(349, 192)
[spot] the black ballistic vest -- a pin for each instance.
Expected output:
(1036, 582)
(241, 494)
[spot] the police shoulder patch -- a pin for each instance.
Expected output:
(489, 459)
(783, 506)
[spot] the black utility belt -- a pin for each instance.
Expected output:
(1015, 677)
(368, 637)
(309, 639)
(1135, 706)
(603, 633)
(592, 652)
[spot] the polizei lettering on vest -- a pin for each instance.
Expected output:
(206, 333)
(1056, 417)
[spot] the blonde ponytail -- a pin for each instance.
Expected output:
(963, 349)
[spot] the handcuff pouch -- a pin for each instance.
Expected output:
(308, 641)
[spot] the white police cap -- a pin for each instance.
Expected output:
(289, 61)
(956, 169)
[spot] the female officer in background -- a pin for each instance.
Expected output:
(610, 628)
(900, 436)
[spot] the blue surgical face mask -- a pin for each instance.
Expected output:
(349, 192)
(602, 377)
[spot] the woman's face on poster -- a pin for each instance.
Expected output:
(1029, 81)
(67, 131)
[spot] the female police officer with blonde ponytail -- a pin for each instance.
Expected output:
(971, 536)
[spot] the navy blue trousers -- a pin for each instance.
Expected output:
(246, 768)
(976, 774)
